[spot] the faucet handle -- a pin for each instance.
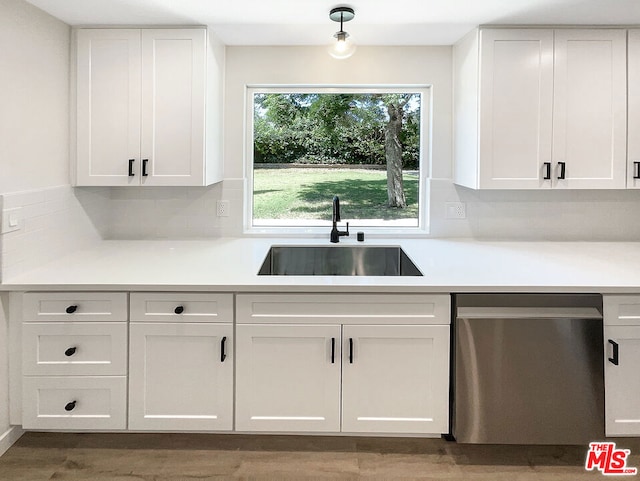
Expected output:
(347, 231)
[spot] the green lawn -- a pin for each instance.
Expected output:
(297, 193)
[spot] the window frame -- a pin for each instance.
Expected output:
(426, 125)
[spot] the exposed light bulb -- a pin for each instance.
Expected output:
(343, 47)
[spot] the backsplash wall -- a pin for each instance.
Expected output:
(60, 220)
(54, 222)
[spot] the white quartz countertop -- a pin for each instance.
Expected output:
(448, 265)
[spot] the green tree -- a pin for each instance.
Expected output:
(345, 128)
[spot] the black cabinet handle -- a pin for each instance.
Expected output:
(144, 167)
(547, 171)
(563, 169)
(223, 349)
(70, 406)
(71, 309)
(350, 350)
(333, 350)
(70, 352)
(131, 161)
(615, 359)
(179, 310)
(636, 170)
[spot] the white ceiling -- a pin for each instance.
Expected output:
(306, 22)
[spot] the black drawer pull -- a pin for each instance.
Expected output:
(350, 350)
(70, 352)
(131, 161)
(144, 167)
(179, 310)
(223, 349)
(563, 169)
(71, 309)
(636, 170)
(333, 350)
(615, 359)
(547, 171)
(70, 406)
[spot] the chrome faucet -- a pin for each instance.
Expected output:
(335, 218)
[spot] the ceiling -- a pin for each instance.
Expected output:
(306, 22)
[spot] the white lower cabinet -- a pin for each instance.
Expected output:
(395, 379)
(287, 378)
(181, 361)
(621, 361)
(622, 383)
(359, 368)
(308, 363)
(181, 376)
(74, 360)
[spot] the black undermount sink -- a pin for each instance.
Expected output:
(337, 261)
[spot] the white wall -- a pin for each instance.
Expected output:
(34, 119)
(34, 98)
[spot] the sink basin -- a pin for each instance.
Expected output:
(337, 261)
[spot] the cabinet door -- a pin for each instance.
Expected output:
(516, 99)
(633, 137)
(287, 378)
(108, 106)
(622, 383)
(181, 376)
(395, 379)
(589, 119)
(173, 106)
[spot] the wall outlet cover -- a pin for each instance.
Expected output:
(455, 210)
(222, 208)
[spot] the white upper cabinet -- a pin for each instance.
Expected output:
(516, 93)
(108, 106)
(633, 144)
(541, 108)
(589, 109)
(143, 100)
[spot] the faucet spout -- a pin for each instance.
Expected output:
(336, 209)
(335, 218)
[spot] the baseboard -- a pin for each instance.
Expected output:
(9, 437)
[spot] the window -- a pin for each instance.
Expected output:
(365, 145)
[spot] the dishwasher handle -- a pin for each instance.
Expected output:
(615, 359)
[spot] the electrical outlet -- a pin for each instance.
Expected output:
(222, 208)
(456, 210)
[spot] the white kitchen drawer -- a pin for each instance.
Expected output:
(343, 308)
(621, 310)
(74, 348)
(100, 403)
(75, 306)
(177, 306)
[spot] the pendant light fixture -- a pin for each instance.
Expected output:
(343, 47)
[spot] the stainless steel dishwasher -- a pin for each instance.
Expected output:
(527, 369)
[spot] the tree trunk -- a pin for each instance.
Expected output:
(393, 154)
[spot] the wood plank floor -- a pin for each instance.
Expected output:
(163, 457)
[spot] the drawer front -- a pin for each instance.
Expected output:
(343, 308)
(75, 306)
(177, 307)
(71, 403)
(74, 348)
(621, 310)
